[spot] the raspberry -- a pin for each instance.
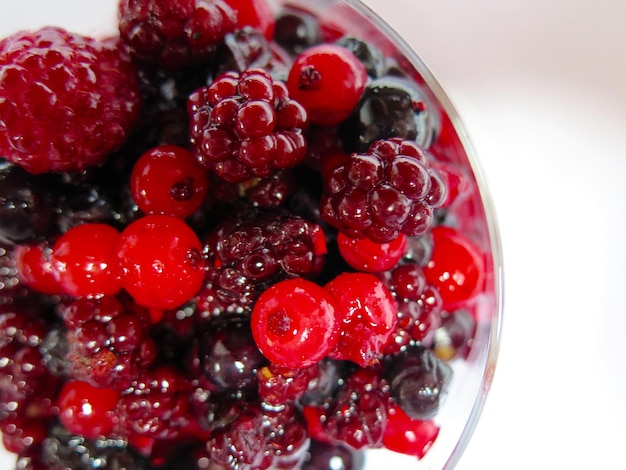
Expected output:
(171, 35)
(328, 80)
(161, 261)
(87, 410)
(247, 254)
(167, 180)
(245, 125)
(287, 337)
(66, 100)
(386, 191)
(109, 343)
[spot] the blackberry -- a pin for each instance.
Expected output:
(26, 205)
(383, 192)
(63, 450)
(108, 342)
(171, 35)
(66, 100)
(419, 381)
(371, 57)
(245, 125)
(389, 107)
(252, 251)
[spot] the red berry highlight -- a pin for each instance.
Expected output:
(366, 255)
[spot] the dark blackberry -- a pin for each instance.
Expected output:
(108, 342)
(272, 191)
(157, 404)
(324, 456)
(171, 35)
(419, 381)
(66, 100)
(249, 252)
(63, 450)
(383, 192)
(389, 107)
(371, 57)
(278, 385)
(245, 125)
(225, 359)
(297, 29)
(26, 205)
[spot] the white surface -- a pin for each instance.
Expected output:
(541, 86)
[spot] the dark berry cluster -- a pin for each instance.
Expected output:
(222, 244)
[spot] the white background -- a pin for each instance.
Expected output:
(541, 86)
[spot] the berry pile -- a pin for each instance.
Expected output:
(232, 237)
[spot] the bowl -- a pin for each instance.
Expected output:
(468, 336)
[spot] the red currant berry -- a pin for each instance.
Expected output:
(168, 180)
(87, 410)
(368, 316)
(85, 259)
(161, 260)
(294, 323)
(408, 436)
(36, 269)
(328, 81)
(366, 255)
(255, 13)
(456, 268)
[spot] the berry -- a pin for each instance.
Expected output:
(456, 267)
(419, 382)
(386, 191)
(85, 261)
(368, 316)
(66, 100)
(255, 13)
(161, 261)
(296, 29)
(87, 410)
(389, 107)
(365, 255)
(167, 180)
(324, 456)
(408, 436)
(328, 81)
(287, 337)
(245, 125)
(172, 35)
(279, 385)
(108, 342)
(369, 55)
(243, 49)
(247, 254)
(36, 270)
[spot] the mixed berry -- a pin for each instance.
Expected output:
(234, 236)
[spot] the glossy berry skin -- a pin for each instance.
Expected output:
(87, 410)
(295, 323)
(255, 13)
(246, 125)
(171, 35)
(456, 267)
(365, 255)
(161, 261)
(66, 100)
(408, 436)
(383, 192)
(328, 81)
(85, 260)
(36, 269)
(368, 317)
(167, 180)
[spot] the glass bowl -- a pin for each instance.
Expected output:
(473, 216)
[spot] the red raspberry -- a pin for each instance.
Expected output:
(167, 180)
(328, 80)
(386, 191)
(368, 315)
(245, 125)
(161, 261)
(174, 34)
(287, 337)
(87, 410)
(66, 100)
